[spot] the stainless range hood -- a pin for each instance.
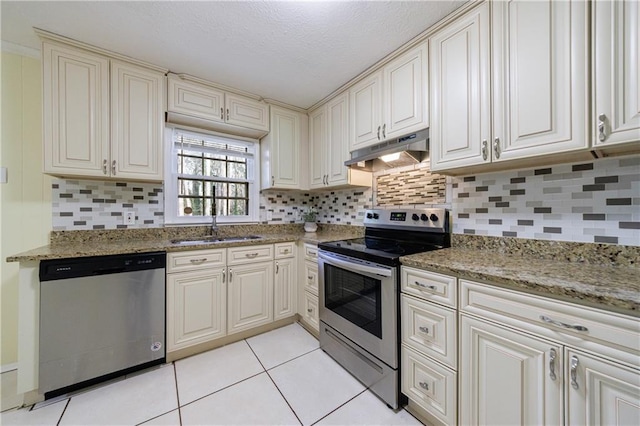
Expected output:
(406, 150)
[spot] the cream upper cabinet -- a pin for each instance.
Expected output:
(616, 74)
(194, 102)
(283, 151)
(460, 99)
(137, 106)
(540, 78)
(507, 377)
(529, 100)
(76, 111)
(102, 117)
(390, 102)
(329, 146)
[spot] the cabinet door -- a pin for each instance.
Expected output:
(250, 294)
(284, 303)
(196, 307)
(405, 93)
(318, 147)
(246, 112)
(460, 102)
(310, 313)
(196, 100)
(338, 140)
(508, 377)
(600, 392)
(365, 120)
(137, 122)
(76, 111)
(539, 78)
(311, 277)
(283, 155)
(616, 79)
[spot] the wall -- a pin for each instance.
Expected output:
(25, 211)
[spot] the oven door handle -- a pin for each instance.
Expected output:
(356, 267)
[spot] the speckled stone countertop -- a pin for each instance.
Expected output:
(604, 285)
(69, 244)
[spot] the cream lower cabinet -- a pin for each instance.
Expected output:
(196, 298)
(526, 359)
(308, 287)
(285, 281)
(250, 294)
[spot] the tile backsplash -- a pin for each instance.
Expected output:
(596, 201)
(410, 185)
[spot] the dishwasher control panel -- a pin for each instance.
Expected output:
(58, 269)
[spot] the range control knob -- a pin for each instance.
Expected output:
(369, 215)
(376, 216)
(424, 217)
(433, 218)
(415, 217)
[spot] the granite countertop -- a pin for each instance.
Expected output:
(606, 286)
(92, 243)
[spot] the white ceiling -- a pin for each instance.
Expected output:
(294, 52)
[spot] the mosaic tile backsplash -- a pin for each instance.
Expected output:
(597, 202)
(84, 204)
(411, 185)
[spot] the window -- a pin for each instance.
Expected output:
(210, 172)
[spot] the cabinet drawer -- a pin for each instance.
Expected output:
(608, 333)
(197, 259)
(429, 285)
(429, 385)
(284, 250)
(430, 329)
(250, 254)
(310, 312)
(311, 277)
(311, 252)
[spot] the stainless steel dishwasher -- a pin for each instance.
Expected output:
(100, 317)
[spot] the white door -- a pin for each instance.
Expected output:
(285, 147)
(250, 295)
(616, 72)
(284, 294)
(246, 112)
(600, 392)
(318, 147)
(76, 111)
(405, 93)
(196, 307)
(508, 377)
(540, 77)
(338, 139)
(365, 117)
(460, 100)
(193, 99)
(137, 122)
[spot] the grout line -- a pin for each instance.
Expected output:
(283, 397)
(292, 359)
(175, 377)
(255, 354)
(340, 406)
(63, 411)
(221, 389)
(155, 417)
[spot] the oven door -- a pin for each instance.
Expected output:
(359, 299)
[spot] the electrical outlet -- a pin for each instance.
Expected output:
(129, 217)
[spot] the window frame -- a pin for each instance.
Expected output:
(171, 216)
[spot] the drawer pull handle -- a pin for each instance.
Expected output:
(251, 255)
(197, 261)
(309, 310)
(310, 278)
(552, 364)
(573, 372)
(563, 324)
(425, 330)
(286, 251)
(424, 385)
(430, 287)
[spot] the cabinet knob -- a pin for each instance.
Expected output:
(425, 330)
(424, 385)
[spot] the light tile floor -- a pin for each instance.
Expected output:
(280, 377)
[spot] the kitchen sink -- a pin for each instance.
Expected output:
(208, 240)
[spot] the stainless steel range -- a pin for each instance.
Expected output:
(359, 293)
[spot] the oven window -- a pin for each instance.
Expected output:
(354, 297)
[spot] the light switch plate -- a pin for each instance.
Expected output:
(3, 175)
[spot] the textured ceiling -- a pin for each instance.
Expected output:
(294, 52)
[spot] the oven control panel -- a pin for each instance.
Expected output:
(435, 219)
